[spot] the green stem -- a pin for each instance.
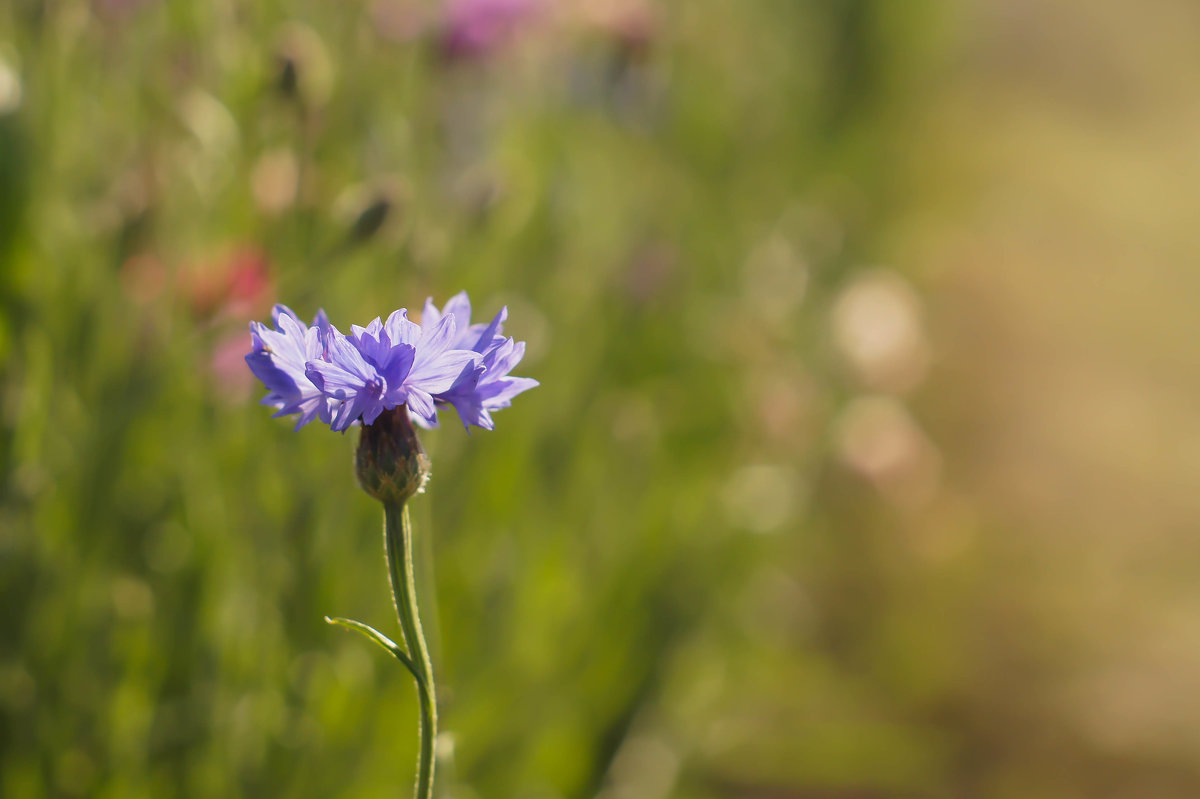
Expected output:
(397, 533)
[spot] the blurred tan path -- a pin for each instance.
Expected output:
(1066, 298)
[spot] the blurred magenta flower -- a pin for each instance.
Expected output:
(475, 28)
(320, 373)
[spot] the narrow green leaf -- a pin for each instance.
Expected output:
(379, 638)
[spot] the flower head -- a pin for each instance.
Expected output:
(383, 365)
(345, 379)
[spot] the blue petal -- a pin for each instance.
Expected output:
(439, 375)
(421, 405)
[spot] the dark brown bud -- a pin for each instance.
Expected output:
(390, 463)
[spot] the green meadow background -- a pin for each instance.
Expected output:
(866, 459)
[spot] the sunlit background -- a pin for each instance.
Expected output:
(866, 459)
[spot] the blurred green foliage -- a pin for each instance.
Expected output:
(169, 551)
(653, 579)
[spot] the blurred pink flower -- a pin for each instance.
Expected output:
(238, 285)
(477, 28)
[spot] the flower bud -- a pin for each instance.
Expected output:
(390, 463)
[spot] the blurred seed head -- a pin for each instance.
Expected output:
(371, 218)
(877, 438)
(304, 69)
(288, 80)
(877, 328)
(364, 208)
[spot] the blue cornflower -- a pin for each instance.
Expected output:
(279, 358)
(385, 376)
(340, 379)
